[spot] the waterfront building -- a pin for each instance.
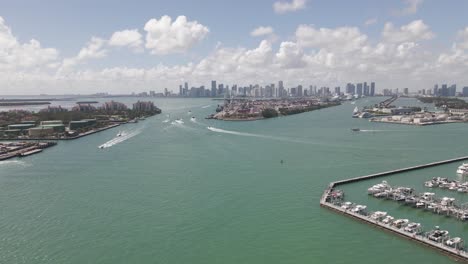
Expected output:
(20, 126)
(53, 109)
(74, 125)
(114, 106)
(141, 106)
(85, 107)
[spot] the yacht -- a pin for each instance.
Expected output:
(359, 209)
(399, 223)
(413, 228)
(378, 215)
(356, 112)
(463, 169)
(388, 219)
(454, 242)
(438, 235)
(346, 205)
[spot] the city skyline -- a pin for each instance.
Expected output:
(157, 45)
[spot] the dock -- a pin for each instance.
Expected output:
(458, 254)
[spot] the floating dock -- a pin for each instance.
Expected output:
(458, 254)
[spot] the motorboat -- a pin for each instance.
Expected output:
(388, 220)
(179, 121)
(438, 235)
(413, 228)
(346, 205)
(359, 209)
(119, 134)
(355, 129)
(399, 223)
(455, 242)
(378, 215)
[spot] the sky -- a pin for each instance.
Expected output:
(71, 47)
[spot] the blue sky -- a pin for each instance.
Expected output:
(67, 27)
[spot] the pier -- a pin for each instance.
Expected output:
(324, 202)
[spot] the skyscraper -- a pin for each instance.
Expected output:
(359, 89)
(280, 89)
(213, 88)
(299, 90)
(372, 89)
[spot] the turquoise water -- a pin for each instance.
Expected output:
(180, 193)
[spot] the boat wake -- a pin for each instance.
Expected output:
(120, 139)
(166, 121)
(19, 163)
(206, 106)
(219, 130)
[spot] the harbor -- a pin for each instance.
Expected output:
(22, 149)
(333, 199)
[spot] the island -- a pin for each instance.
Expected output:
(57, 123)
(244, 109)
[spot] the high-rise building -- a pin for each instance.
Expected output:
(299, 90)
(405, 91)
(337, 90)
(213, 88)
(350, 88)
(465, 91)
(372, 89)
(452, 90)
(359, 89)
(436, 90)
(280, 89)
(444, 90)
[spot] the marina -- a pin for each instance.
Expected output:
(333, 199)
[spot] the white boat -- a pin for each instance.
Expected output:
(179, 121)
(119, 134)
(359, 208)
(388, 219)
(378, 215)
(346, 205)
(399, 223)
(413, 227)
(193, 119)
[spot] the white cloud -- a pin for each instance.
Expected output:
(94, 49)
(342, 39)
(463, 38)
(370, 21)
(129, 37)
(414, 31)
(411, 7)
(164, 36)
(262, 31)
(281, 7)
(290, 55)
(23, 56)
